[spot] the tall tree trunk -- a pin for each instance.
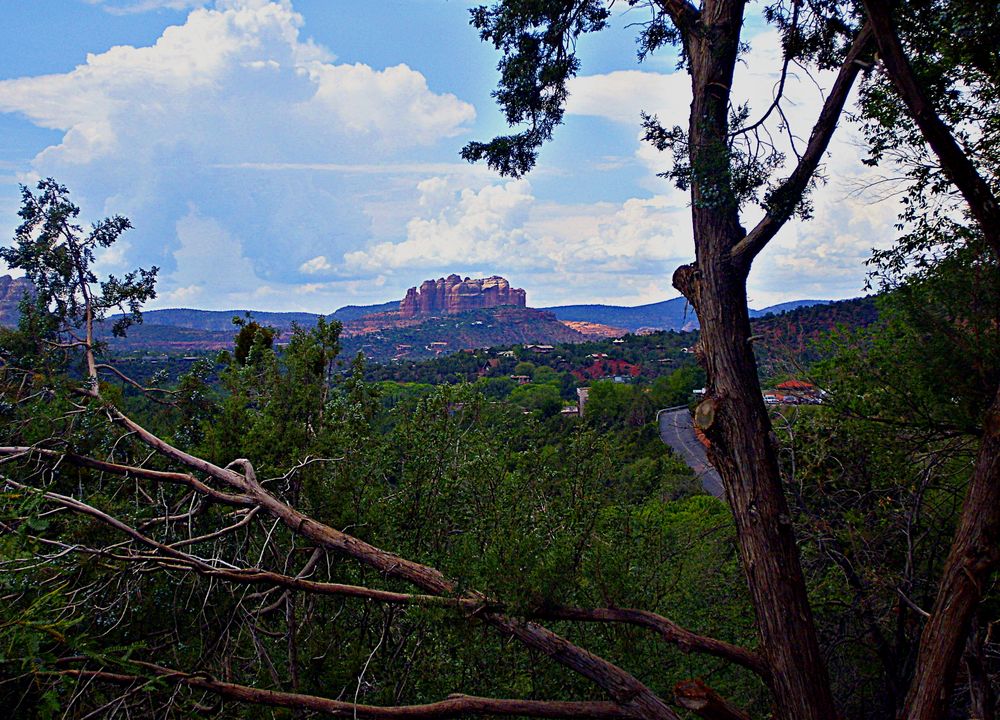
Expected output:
(975, 551)
(735, 419)
(974, 556)
(733, 414)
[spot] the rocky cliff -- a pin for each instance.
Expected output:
(452, 295)
(11, 291)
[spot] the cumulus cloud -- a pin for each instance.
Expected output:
(618, 250)
(212, 271)
(225, 81)
(624, 94)
(821, 257)
(317, 265)
(250, 159)
(146, 131)
(483, 227)
(209, 261)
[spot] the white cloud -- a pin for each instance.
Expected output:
(209, 259)
(225, 82)
(623, 95)
(181, 295)
(212, 271)
(616, 251)
(394, 106)
(112, 259)
(317, 265)
(822, 257)
(146, 131)
(483, 226)
(388, 168)
(247, 157)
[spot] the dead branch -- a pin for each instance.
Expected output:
(699, 698)
(453, 706)
(667, 629)
(117, 469)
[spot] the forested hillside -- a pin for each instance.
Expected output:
(277, 527)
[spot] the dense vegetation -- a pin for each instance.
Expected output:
(287, 539)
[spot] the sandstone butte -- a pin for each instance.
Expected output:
(11, 291)
(454, 295)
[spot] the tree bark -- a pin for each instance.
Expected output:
(982, 699)
(733, 415)
(699, 698)
(974, 555)
(975, 551)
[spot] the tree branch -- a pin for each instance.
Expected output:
(683, 14)
(956, 164)
(787, 196)
(142, 388)
(620, 685)
(670, 631)
(145, 473)
(453, 706)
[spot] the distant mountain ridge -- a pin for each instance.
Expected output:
(381, 341)
(675, 314)
(222, 320)
(11, 291)
(356, 312)
(383, 332)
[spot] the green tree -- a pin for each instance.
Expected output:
(717, 159)
(677, 387)
(130, 562)
(543, 398)
(55, 255)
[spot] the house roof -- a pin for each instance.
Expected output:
(796, 385)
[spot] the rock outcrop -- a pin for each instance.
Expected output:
(11, 291)
(452, 295)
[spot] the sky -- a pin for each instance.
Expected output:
(304, 155)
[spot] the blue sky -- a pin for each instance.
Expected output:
(303, 155)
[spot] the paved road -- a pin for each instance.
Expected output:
(677, 432)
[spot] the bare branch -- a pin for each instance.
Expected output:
(787, 195)
(245, 520)
(142, 388)
(668, 630)
(955, 162)
(454, 706)
(145, 473)
(620, 685)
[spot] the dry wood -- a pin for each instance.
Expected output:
(699, 698)
(453, 706)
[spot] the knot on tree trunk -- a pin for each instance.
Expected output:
(686, 281)
(704, 414)
(696, 696)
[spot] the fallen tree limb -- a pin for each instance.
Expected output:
(453, 706)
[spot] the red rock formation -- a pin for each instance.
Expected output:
(452, 295)
(11, 291)
(410, 305)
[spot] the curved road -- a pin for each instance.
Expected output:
(677, 432)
